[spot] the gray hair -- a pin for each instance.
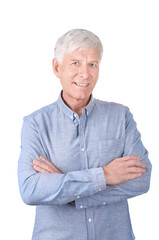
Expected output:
(76, 39)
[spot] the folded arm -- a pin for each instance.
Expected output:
(129, 185)
(91, 187)
(118, 175)
(51, 188)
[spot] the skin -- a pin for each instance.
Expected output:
(79, 67)
(78, 73)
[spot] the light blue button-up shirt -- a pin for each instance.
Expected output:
(78, 204)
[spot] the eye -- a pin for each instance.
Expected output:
(75, 63)
(92, 64)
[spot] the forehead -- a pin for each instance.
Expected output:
(91, 54)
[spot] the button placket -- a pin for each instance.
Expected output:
(83, 151)
(90, 223)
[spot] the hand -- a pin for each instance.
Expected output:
(45, 166)
(123, 169)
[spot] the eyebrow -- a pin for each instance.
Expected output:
(77, 59)
(95, 61)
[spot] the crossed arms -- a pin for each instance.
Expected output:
(41, 182)
(118, 171)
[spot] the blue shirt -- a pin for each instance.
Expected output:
(78, 204)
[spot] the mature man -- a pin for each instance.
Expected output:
(81, 158)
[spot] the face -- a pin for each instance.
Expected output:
(78, 73)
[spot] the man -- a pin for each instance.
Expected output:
(81, 158)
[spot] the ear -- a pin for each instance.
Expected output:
(55, 66)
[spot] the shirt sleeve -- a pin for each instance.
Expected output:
(51, 188)
(130, 188)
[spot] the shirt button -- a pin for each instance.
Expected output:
(81, 206)
(89, 220)
(99, 189)
(82, 149)
(104, 203)
(78, 197)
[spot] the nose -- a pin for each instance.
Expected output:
(84, 72)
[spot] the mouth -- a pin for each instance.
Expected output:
(81, 84)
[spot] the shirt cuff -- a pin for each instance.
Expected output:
(98, 178)
(98, 184)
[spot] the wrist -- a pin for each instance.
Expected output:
(105, 171)
(106, 174)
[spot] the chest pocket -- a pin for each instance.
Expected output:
(109, 149)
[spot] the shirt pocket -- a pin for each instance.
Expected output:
(109, 149)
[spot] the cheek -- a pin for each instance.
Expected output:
(95, 77)
(67, 80)
(64, 76)
(69, 73)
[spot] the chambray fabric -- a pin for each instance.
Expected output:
(78, 204)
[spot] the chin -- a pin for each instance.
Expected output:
(82, 96)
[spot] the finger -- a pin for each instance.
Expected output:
(39, 169)
(44, 160)
(131, 157)
(51, 165)
(134, 175)
(47, 162)
(42, 165)
(137, 170)
(136, 163)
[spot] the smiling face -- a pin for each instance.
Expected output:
(78, 73)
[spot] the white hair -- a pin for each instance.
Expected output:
(76, 39)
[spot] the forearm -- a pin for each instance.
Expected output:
(53, 188)
(119, 192)
(127, 189)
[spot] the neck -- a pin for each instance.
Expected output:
(76, 105)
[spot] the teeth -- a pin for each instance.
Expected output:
(82, 84)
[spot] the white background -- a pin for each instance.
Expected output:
(129, 75)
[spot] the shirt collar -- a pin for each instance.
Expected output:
(69, 113)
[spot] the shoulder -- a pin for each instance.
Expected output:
(113, 111)
(44, 111)
(110, 106)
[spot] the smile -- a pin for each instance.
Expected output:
(82, 84)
